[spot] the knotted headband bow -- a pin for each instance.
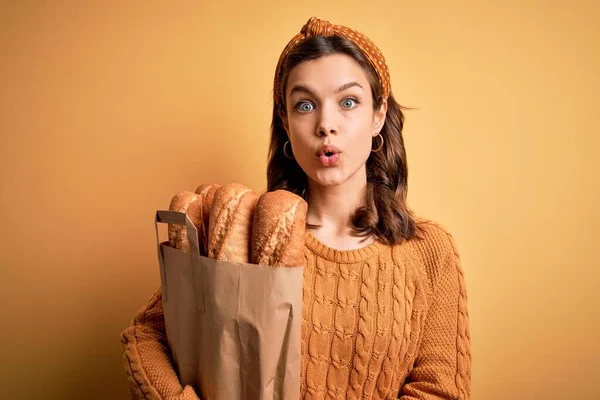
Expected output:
(318, 27)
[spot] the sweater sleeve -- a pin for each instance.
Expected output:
(147, 357)
(442, 368)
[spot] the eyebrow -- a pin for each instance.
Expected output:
(305, 89)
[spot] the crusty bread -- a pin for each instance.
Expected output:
(230, 225)
(190, 204)
(206, 193)
(279, 229)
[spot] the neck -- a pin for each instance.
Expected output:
(331, 207)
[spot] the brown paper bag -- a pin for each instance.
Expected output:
(233, 328)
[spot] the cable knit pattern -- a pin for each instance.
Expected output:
(442, 368)
(380, 322)
(147, 358)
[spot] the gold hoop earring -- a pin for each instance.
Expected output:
(285, 152)
(380, 146)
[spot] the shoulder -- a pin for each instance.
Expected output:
(434, 249)
(436, 237)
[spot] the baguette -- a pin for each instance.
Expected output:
(279, 229)
(188, 203)
(206, 193)
(230, 223)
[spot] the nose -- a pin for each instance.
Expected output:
(327, 124)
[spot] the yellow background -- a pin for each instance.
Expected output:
(107, 109)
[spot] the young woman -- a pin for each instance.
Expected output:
(385, 304)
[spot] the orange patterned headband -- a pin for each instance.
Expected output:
(318, 27)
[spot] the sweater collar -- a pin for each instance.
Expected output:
(342, 256)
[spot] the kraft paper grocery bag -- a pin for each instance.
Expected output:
(233, 328)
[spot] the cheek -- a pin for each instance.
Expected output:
(299, 124)
(362, 148)
(300, 133)
(300, 147)
(362, 137)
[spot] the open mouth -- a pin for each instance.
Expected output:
(328, 151)
(328, 155)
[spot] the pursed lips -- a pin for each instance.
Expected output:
(328, 155)
(328, 151)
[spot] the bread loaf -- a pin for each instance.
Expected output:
(230, 225)
(206, 193)
(279, 229)
(188, 203)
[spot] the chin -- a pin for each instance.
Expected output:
(328, 177)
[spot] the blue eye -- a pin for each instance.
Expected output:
(304, 106)
(349, 103)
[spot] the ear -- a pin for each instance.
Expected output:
(379, 118)
(286, 125)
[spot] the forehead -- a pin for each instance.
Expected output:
(327, 73)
